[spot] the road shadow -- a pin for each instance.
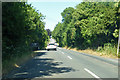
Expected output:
(39, 67)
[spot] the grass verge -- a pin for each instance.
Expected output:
(15, 62)
(107, 52)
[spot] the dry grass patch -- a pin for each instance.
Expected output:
(92, 52)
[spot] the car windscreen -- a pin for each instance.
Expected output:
(51, 44)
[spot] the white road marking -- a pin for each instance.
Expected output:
(59, 48)
(69, 57)
(92, 73)
(62, 52)
(21, 73)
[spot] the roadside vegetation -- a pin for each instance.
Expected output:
(22, 25)
(91, 25)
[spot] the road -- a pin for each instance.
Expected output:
(65, 63)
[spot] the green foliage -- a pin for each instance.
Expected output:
(90, 24)
(22, 25)
(116, 32)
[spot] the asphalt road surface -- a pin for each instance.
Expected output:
(65, 64)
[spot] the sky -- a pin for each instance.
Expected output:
(52, 10)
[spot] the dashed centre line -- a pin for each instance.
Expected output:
(69, 57)
(92, 74)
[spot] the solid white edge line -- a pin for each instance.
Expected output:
(69, 57)
(92, 73)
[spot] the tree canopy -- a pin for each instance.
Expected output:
(22, 25)
(90, 24)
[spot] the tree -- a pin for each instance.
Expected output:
(22, 25)
(90, 24)
(49, 32)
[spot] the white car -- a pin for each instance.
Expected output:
(51, 46)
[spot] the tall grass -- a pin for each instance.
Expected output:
(108, 49)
